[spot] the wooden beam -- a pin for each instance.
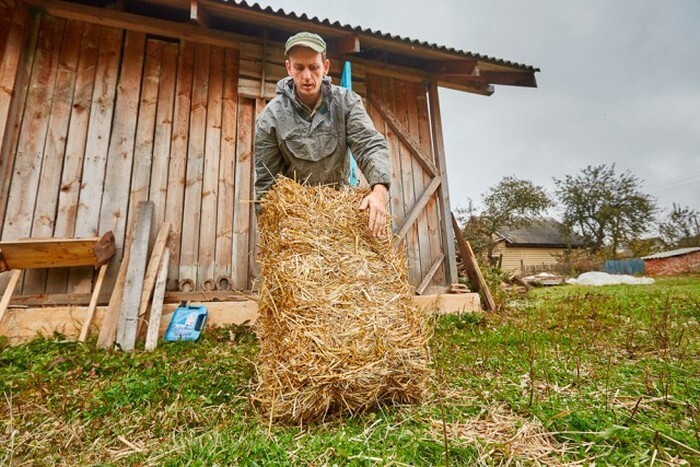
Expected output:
(108, 330)
(83, 299)
(429, 275)
(448, 238)
(58, 252)
(198, 14)
(157, 306)
(133, 285)
(508, 78)
(417, 209)
(472, 267)
(138, 23)
(454, 67)
(349, 44)
(93, 303)
(404, 135)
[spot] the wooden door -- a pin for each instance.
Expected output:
(400, 111)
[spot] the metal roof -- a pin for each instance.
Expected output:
(378, 34)
(671, 253)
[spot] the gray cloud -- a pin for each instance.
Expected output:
(619, 84)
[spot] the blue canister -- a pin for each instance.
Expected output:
(187, 323)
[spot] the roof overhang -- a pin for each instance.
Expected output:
(227, 22)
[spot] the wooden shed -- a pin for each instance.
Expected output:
(104, 104)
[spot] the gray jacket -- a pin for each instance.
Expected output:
(314, 150)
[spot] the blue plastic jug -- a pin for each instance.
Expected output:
(187, 323)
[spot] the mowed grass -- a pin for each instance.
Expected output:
(570, 374)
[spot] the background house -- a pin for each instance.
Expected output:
(534, 248)
(105, 104)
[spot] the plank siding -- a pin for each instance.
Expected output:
(243, 193)
(210, 177)
(158, 189)
(69, 190)
(178, 154)
(227, 172)
(195, 166)
(30, 150)
(114, 207)
(54, 149)
(96, 148)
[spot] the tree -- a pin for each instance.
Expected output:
(681, 228)
(512, 203)
(605, 208)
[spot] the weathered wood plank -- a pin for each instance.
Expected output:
(9, 290)
(30, 150)
(136, 23)
(95, 158)
(93, 303)
(409, 195)
(157, 305)
(141, 169)
(448, 238)
(178, 152)
(114, 211)
(429, 275)
(69, 191)
(15, 65)
(431, 222)
(154, 265)
(54, 149)
(210, 176)
(195, 166)
(163, 134)
(472, 267)
(243, 193)
(404, 134)
(133, 285)
(417, 208)
(227, 171)
(83, 299)
(57, 252)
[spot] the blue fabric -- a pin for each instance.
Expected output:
(346, 82)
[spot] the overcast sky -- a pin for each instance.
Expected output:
(619, 83)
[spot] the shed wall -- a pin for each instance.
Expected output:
(106, 117)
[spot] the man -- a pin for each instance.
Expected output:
(305, 131)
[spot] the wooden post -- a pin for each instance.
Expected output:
(448, 236)
(93, 303)
(8, 292)
(157, 306)
(133, 285)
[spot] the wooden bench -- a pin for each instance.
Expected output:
(17, 255)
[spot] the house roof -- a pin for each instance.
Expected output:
(450, 67)
(541, 232)
(671, 253)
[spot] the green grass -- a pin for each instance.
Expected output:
(609, 375)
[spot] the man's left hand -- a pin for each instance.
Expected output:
(376, 201)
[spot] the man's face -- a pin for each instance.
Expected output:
(307, 68)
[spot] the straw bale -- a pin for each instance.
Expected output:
(338, 332)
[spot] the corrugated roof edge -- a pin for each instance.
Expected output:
(397, 38)
(672, 253)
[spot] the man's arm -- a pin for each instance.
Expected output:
(371, 152)
(268, 161)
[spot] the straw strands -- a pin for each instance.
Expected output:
(338, 333)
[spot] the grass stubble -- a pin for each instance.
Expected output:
(566, 376)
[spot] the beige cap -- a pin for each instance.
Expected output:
(305, 39)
